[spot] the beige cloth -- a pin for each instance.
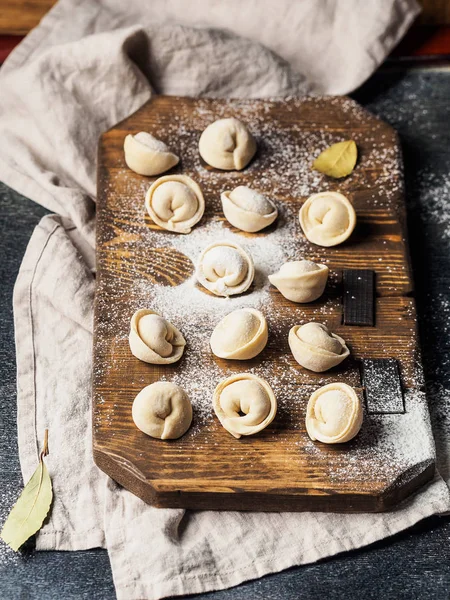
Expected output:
(87, 66)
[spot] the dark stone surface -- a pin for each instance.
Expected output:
(414, 564)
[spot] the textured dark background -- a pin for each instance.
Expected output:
(415, 564)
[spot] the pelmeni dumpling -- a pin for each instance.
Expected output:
(162, 410)
(225, 269)
(316, 348)
(300, 280)
(327, 219)
(153, 339)
(334, 414)
(147, 155)
(247, 209)
(227, 144)
(175, 202)
(244, 404)
(241, 335)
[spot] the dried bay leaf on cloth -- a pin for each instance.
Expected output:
(30, 510)
(338, 160)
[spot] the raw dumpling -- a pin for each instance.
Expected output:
(316, 348)
(244, 393)
(327, 219)
(146, 155)
(162, 410)
(175, 202)
(241, 335)
(225, 269)
(247, 209)
(227, 144)
(300, 280)
(153, 339)
(334, 414)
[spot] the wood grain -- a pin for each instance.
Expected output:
(280, 468)
(18, 17)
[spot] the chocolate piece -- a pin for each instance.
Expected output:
(359, 290)
(382, 383)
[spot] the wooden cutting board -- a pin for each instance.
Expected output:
(141, 266)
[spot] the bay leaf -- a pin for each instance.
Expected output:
(28, 514)
(338, 160)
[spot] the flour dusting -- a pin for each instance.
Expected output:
(281, 169)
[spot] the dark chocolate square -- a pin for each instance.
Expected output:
(381, 380)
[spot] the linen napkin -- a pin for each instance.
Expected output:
(84, 68)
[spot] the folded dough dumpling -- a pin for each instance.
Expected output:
(247, 209)
(244, 404)
(147, 155)
(300, 280)
(225, 269)
(227, 144)
(162, 410)
(316, 348)
(334, 414)
(175, 202)
(327, 219)
(241, 335)
(153, 339)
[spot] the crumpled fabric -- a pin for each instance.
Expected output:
(83, 69)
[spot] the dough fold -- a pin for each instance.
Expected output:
(162, 410)
(175, 203)
(301, 280)
(315, 348)
(146, 155)
(225, 269)
(244, 404)
(153, 339)
(334, 414)
(327, 218)
(240, 335)
(227, 144)
(247, 209)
